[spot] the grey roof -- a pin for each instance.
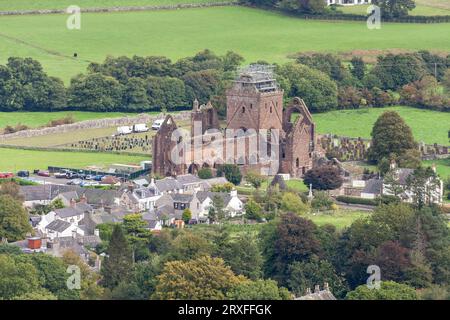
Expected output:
(100, 197)
(152, 224)
(143, 193)
(58, 225)
(168, 184)
(45, 192)
(403, 174)
(71, 211)
(34, 220)
(202, 195)
(373, 186)
(182, 197)
(218, 180)
(188, 179)
(141, 181)
(69, 195)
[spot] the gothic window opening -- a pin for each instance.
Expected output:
(297, 162)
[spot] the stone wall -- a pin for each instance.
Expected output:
(355, 149)
(93, 124)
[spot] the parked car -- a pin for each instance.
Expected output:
(6, 175)
(98, 177)
(89, 177)
(60, 175)
(23, 173)
(75, 182)
(157, 124)
(43, 173)
(89, 183)
(71, 175)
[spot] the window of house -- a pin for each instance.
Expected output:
(243, 109)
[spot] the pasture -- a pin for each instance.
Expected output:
(12, 160)
(255, 34)
(427, 126)
(7, 5)
(423, 8)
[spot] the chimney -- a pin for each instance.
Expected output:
(73, 203)
(74, 234)
(233, 193)
(326, 287)
(97, 232)
(308, 290)
(83, 199)
(393, 164)
(433, 167)
(317, 289)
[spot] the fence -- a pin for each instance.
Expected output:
(126, 176)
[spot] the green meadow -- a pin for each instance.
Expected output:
(423, 8)
(6, 5)
(255, 34)
(12, 160)
(427, 126)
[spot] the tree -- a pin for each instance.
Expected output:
(11, 188)
(255, 179)
(16, 277)
(291, 239)
(226, 187)
(393, 260)
(291, 202)
(304, 275)
(231, 173)
(90, 290)
(204, 278)
(258, 290)
(395, 8)
(358, 67)
(135, 95)
(187, 215)
(14, 223)
(242, 254)
(424, 184)
(216, 210)
(446, 80)
(205, 173)
(95, 92)
(116, 267)
(317, 90)
(137, 233)
(188, 246)
(253, 210)
(326, 177)
(303, 6)
(201, 85)
(389, 290)
(394, 71)
(390, 136)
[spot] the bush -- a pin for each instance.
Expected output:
(355, 200)
(205, 173)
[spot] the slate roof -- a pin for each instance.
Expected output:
(403, 174)
(213, 181)
(78, 210)
(58, 225)
(168, 184)
(202, 195)
(182, 197)
(45, 192)
(373, 186)
(188, 179)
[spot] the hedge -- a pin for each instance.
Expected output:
(356, 200)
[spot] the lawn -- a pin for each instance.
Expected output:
(442, 167)
(427, 126)
(6, 5)
(12, 160)
(339, 219)
(255, 34)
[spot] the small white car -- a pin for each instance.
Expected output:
(157, 124)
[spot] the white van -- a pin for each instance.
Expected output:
(141, 127)
(157, 124)
(124, 130)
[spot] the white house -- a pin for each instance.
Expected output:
(60, 228)
(434, 186)
(232, 204)
(348, 2)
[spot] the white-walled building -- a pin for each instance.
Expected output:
(348, 2)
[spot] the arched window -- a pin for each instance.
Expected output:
(269, 142)
(270, 109)
(297, 162)
(243, 109)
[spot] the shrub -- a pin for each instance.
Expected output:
(205, 173)
(355, 200)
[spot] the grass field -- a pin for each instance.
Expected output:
(6, 5)
(422, 9)
(12, 160)
(427, 126)
(442, 167)
(255, 34)
(340, 219)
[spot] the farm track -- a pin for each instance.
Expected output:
(34, 46)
